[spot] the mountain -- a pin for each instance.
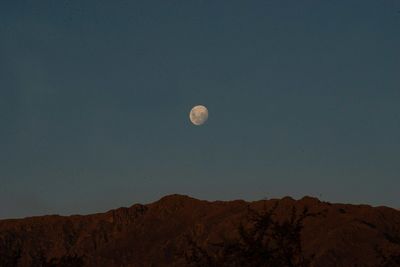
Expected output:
(156, 234)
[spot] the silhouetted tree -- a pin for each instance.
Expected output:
(266, 242)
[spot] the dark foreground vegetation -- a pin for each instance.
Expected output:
(265, 242)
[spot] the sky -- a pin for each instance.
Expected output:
(303, 99)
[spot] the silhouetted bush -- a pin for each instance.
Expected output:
(265, 242)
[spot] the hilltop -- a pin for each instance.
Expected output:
(155, 234)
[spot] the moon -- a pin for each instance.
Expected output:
(198, 115)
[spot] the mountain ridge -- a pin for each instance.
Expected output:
(154, 234)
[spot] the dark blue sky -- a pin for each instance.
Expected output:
(304, 99)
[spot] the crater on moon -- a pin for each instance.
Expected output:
(198, 115)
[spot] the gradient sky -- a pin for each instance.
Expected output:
(304, 99)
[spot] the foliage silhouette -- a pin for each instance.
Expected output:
(267, 242)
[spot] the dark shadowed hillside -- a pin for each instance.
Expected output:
(157, 234)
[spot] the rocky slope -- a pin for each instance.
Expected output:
(156, 234)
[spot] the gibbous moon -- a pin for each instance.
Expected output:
(198, 115)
